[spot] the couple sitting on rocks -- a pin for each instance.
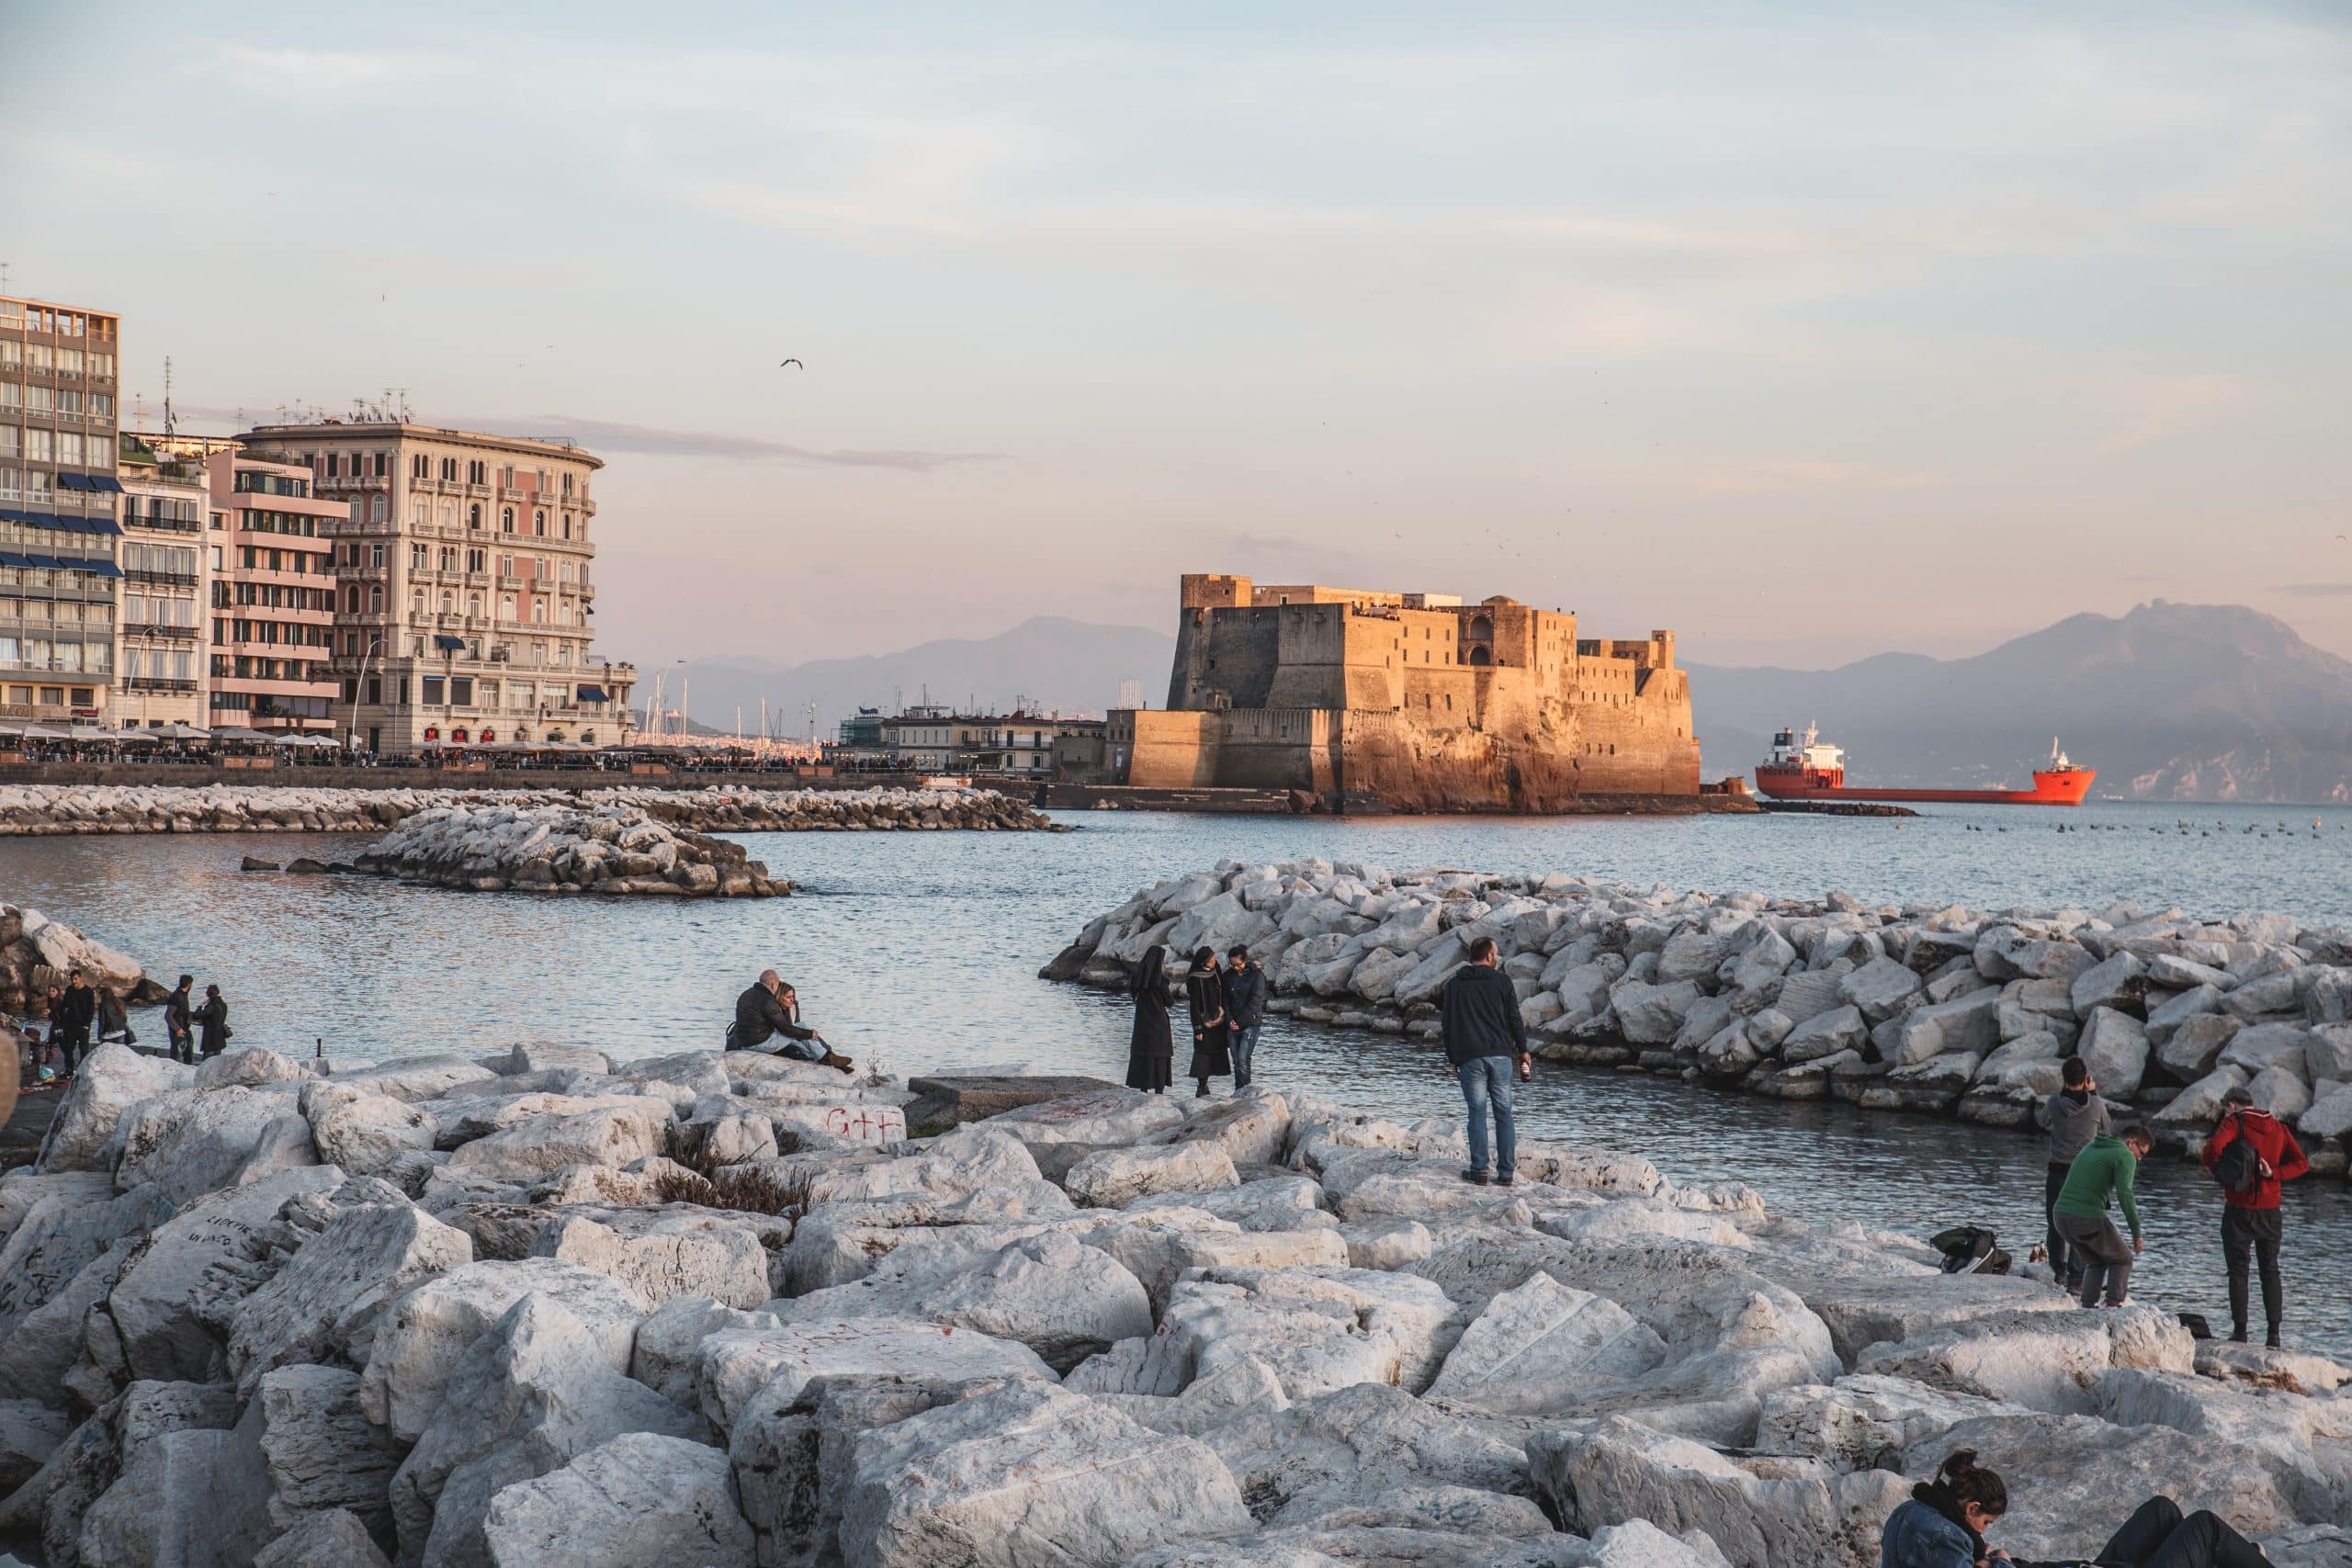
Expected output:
(1943, 1525)
(769, 1010)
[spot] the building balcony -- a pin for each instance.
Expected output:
(167, 579)
(164, 525)
(159, 684)
(169, 633)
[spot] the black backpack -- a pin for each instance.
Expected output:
(2240, 1166)
(1969, 1249)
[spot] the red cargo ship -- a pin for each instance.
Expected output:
(1814, 770)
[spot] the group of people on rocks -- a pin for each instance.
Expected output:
(83, 1017)
(1227, 1004)
(769, 1010)
(2093, 1166)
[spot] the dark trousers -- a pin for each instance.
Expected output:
(2157, 1537)
(2251, 1236)
(2063, 1262)
(181, 1042)
(2107, 1257)
(75, 1044)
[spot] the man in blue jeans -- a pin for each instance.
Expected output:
(1245, 1010)
(1486, 1040)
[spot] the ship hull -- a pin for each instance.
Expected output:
(2066, 788)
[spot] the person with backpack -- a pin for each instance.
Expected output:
(2102, 1173)
(2076, 1115)
(2251, 1154)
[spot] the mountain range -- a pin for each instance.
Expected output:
(1047, 662)
(2169, 701)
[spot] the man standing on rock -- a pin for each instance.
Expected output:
(77, 1010)
(179, 1031)
(2104, 1170)
(1485, 1036)
(2076, 1115)
(2250, 1220)
(1245, 1010)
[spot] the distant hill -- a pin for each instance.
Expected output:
(1072, 666)
(2169, 702)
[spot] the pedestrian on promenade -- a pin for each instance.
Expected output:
(213, 1019)
(2103, 1171)
(179, 1031)
(2076, 1115)
(78, 1009)
(1204, 991)
(2252, 1154)
(1485, 1036)
(1245, 1010)
(1152, 1047)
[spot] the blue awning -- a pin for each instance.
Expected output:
(105, 484)
(102, 525)
(10, 558)
(96, 566)
(448, 643)
(593, 695)
(74, 481)
(44, 563)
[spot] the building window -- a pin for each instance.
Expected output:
(433, 685)
(473, 515)
(506, 520)
(540, 523)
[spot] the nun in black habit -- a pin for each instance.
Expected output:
(1204, 990)
(1151, 1050)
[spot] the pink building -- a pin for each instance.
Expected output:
(272, 593)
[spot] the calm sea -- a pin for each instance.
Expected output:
(922, 950)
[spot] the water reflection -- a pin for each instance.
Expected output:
(923, 949)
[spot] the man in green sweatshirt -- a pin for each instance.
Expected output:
(2101, 1171)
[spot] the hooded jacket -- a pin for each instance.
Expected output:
(2076, 1116)
(2271, 1141)
(1926, 1532)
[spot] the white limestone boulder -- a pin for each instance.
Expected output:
(428, 1330)
(1008, 1476)
(110, 1081)
(1866, 1421)
(1385, 1244)
(679, 1255)
(735, 1364)
(1250, 1127)
(1269, 1203)
(1316, 1329)
(191, 1142)
(1111, 1179)
(325, 1304)
(528, 1150)
(1359, 1445)
(301, 1447)
(634, 1499)
(1103, 1117)
(1539, 1346)
(2049, 1361)
(332, 1539)
(248, 1066)
(363, 1133)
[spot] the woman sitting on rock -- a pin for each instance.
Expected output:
(1943, 1525)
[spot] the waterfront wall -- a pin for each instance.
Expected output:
(1938, 1009)
(537, 1307)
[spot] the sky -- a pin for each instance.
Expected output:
(1809, 330)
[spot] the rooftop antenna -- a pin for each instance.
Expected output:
(4, 278)
(170, 424)
(812, 720)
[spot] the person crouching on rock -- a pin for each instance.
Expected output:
(2103, 1170)
(1204, 990)
(769, 1010)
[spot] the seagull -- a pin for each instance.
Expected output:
(792, 362)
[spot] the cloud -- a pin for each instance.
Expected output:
(2312, 590)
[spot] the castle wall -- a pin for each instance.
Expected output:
(1172, 749)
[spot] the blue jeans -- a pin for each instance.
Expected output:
(1245, 1040)
(1485, 1079)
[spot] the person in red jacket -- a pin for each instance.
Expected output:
(2250, 1224)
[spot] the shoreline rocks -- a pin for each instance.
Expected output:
(33, 948)
(612, 849)
(608, 1313)
(39, 810)
(1933, 1009)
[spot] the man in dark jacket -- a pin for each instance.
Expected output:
(2076, 1115)
(1245, 1010)
(1485, 1036)
(179, 1027)
(2250, 1221)
(77, 1010)
(764, 1012)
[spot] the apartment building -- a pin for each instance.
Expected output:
(464, 604)
(272, 593)
(58, 491)
(160, 659)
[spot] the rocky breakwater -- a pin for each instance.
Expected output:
(566, 847)
(1924, 1008)
(39, 810)
(542, 1308)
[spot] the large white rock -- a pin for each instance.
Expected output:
(735, 1364)
(1878, 988)
(428, 1330)
(334, 1539)
(1270, 1203)
(1250, 1127)
(302, 1447)
(524, 1399)
(1365, 1441)
(2043, 1361)
(325, 1304)
(1109, 1178)
(191, 1142)
(545, 1144)
(1028, 1475)
(1540, 1346)
(1107, 1116)
(2115, 1046)
(360, 1132)
(1317, 1329)
(1866, 1421)
(680, 1254)
(1966, 1023)
(160, 1505)
(635, 1499)
(109, 1082)
(1760, 1514)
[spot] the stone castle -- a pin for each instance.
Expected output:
(1418, 699)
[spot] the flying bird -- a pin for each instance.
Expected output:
(792, 362)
